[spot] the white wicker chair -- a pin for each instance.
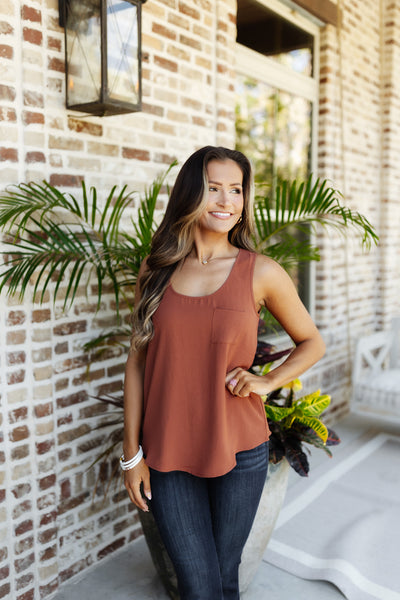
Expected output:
(376, 374)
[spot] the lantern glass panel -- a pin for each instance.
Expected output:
(122, 51)
(83, 28)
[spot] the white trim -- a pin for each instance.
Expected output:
(314, 167)
(214, 61)
(269, 71)
(315, 113)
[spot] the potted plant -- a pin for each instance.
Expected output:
(294, 424)
(52, 238)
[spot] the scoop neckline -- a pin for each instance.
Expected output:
(212, 293)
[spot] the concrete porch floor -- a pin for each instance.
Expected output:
(130, 575)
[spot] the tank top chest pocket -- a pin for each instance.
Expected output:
(227, 325)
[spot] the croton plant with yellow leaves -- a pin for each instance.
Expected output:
(293, 421)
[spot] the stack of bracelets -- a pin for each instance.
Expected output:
(129, 464)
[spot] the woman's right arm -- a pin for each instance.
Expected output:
(133, 414)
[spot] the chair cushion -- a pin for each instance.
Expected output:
(380, 393)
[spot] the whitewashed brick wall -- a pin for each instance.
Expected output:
(50, 529)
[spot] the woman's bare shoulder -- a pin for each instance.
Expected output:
(265, 265)
(270, 279)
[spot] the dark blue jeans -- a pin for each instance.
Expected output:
(205, 522)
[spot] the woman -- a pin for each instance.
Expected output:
(188, 394)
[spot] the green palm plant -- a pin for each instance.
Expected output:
(53, 241)
(52, 236)
(61, 243)
(286, 217)
(56, 242)
(48, 233)
(298, 207)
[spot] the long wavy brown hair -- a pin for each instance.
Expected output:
(174, 238)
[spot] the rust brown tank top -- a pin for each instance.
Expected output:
(191, 421)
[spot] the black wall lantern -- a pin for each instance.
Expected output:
(102, 55)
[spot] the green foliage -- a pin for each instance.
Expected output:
(305, 410)
(296, 208)
(55, 242)
(294, 422)
(53, 237)
(58, 243)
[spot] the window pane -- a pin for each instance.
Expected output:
(273, 128)
(273, 119)
(83, 43)
(122, 50)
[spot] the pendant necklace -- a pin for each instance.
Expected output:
(205, 261)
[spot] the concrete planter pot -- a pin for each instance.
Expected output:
(268, 511)
(161, 560)
(264, 523)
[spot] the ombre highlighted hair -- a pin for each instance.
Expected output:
(173, 240)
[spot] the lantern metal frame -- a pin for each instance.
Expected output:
(105, 105)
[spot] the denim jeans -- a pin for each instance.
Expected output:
(205, 522)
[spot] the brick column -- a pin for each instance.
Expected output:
(389, 280)
(349, 155)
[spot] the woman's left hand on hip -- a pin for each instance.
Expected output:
(242, 383)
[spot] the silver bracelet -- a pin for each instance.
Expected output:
(126, 465)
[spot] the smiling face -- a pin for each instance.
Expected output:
(225, 196)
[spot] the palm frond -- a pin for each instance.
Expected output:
(145, 224)
(289, 251)
(117, 336)
(50, 251)
(53, 236)
(297, 206)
